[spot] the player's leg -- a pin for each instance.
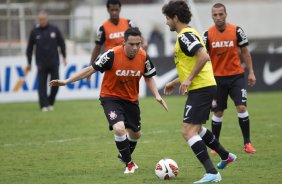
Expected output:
(54, 71)
(219, 104)
(42, 88)
(121, 140)
(132, 123)
(238, 94)
(214, 144)
(133, 138)
(196, 112)
(114, 111)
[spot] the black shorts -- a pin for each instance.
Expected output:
(122, 110)
(198, 105)
(230, 85)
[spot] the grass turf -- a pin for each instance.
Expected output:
(73, 145)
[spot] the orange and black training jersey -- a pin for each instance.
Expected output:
(223, 48)
(122, 75)
(112, 35)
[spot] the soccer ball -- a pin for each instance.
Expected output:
(166, 168)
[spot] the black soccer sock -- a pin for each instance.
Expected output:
(216, 126)
(122, 144)
(244, 123)
(213, 143)
(200, 150)
(132, 143)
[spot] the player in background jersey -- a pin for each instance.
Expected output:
(224, 42)
(123, 67)
(196, 79)
(111, 32)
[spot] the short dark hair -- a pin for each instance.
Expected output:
(219, 5)
(179, 8)
(132, 31)
(114, 2)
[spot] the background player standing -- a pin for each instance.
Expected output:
(224, 42)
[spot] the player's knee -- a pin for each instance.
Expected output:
(119, 128)
(241, 108)
(134, 135)
(218, 114)
(188, 134)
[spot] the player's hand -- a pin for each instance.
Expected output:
(162, 102)
(168, 89)
(183, 88)
(65, 62)
(57, 82)
(251, 79)
(27, 68)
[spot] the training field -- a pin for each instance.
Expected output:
(72, 144)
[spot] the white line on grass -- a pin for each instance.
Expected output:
(60, 141)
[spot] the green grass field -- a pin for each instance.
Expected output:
(73, 144)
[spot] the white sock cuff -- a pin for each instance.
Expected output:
(193, 140)
(119, 138)
(243, 115)
(217, 119)
(130, 139)
(203, 132)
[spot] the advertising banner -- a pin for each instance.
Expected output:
(18, 86)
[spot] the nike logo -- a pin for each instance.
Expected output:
(271, 49)
(165, 78)
(271, 77)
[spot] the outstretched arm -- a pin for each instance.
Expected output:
(75, 77)
(150, 82)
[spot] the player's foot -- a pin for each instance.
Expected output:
(213, 152)
(120, 158)
(50, 108)
(44, 109)
(249, 148)
(209, 178)
(223, 163)
(130, 168)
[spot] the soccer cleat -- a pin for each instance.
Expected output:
(249, 148)
(223, 163)
(209, 178)
(120, 158)
(130, 168)
(44, 109)
(213, 152)
(50, 108)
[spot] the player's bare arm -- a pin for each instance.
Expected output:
(150, 82)
(75, 77)
(203, 57)
(170, 86)
(247, 58)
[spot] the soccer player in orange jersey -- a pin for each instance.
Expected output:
(123, 67)
(111, 32)
(224, 42)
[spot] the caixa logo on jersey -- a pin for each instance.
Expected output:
(14, 79)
